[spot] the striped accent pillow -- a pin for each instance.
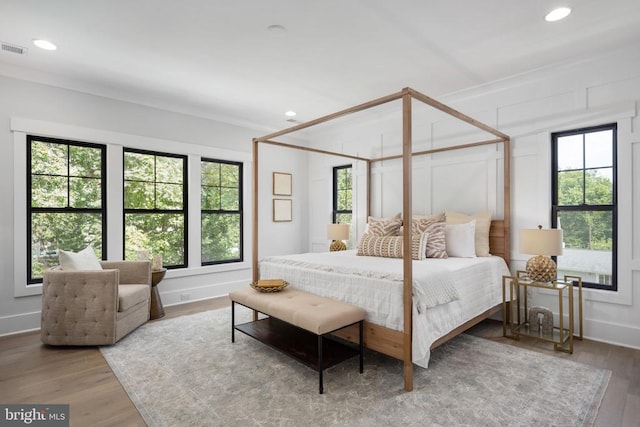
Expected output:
(434, 226)
(391, 246)
(419, 244)
(387, 227)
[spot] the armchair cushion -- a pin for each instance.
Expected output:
(130, 295)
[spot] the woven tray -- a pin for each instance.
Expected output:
(268, 289)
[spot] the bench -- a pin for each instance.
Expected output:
(299, 325)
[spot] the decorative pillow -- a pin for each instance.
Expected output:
(84, 260)
(434, 225)
(460, 239)
(419, 246)
(483, 224)
(391, 246)
(383, 246)
(385, 228)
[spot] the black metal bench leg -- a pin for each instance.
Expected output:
(320, 362)
(233, 321)
(361, 346)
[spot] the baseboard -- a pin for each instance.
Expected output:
(612, 333)
(601, 331)
(19, 323)
(197, 293)
(28, 322)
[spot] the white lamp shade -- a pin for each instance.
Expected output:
(538, 241)
(338, 231)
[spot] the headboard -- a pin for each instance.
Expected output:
(499, 240)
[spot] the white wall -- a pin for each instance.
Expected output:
(529, 108)
(27, 107)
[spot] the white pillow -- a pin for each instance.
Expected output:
(460, 239)
(483, 226)
(84, 260)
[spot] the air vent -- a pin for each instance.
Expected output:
(12, 48)
(292, 121)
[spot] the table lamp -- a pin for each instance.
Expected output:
(542, 243)
(337, 233)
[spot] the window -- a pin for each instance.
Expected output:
(584, 203)
(67, 203)
(342, 201)
(155, 206)
(221, 204)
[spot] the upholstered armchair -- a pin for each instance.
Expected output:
(95, 307)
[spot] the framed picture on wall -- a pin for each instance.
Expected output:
(281, 210)
(281, 184)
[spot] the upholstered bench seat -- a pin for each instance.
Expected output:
(312, 313)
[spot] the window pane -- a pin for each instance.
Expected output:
(220, 237)
(138, 195)
(343, 218)
(139, 167)
(586, 229)
(48, 191)
(210, 198)
(210, 173)
(598, 149)
(599, 186)
(344, 200)
(85, 161)
(229, 175)
(48, 158)
(570, 152)
(230, 199)
(169, 169)
(68, 231)
(157, 233)
(85, 193)
(570, 188)
(588, 244)
(169, 196)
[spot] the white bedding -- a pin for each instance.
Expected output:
(447, 292)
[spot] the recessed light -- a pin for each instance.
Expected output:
(290, 113)
(276, 29)
(45, 44)
(557, 14)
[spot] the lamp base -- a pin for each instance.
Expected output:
(541, 268)
(337, 245)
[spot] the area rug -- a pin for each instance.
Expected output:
(186, 372)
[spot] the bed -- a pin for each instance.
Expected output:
(401, 324)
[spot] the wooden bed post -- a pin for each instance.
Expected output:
(368, 189)
(407, 293)
(507, 200)
(254, 249)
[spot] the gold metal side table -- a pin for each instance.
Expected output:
(515, 308)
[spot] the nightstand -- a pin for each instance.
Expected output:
(516, 321)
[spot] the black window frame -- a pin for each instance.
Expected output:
(613, 207)
(31, 209)
(336, 191)
(185, 200)
(239, 212)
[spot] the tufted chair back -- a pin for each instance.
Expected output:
(95, 307)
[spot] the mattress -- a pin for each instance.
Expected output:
(446, 292)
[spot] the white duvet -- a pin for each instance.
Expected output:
(447, 292)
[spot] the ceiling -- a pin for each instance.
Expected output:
(219, 59)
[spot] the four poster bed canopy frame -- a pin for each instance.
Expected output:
(398, 344)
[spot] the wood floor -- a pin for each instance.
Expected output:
(79, 376)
